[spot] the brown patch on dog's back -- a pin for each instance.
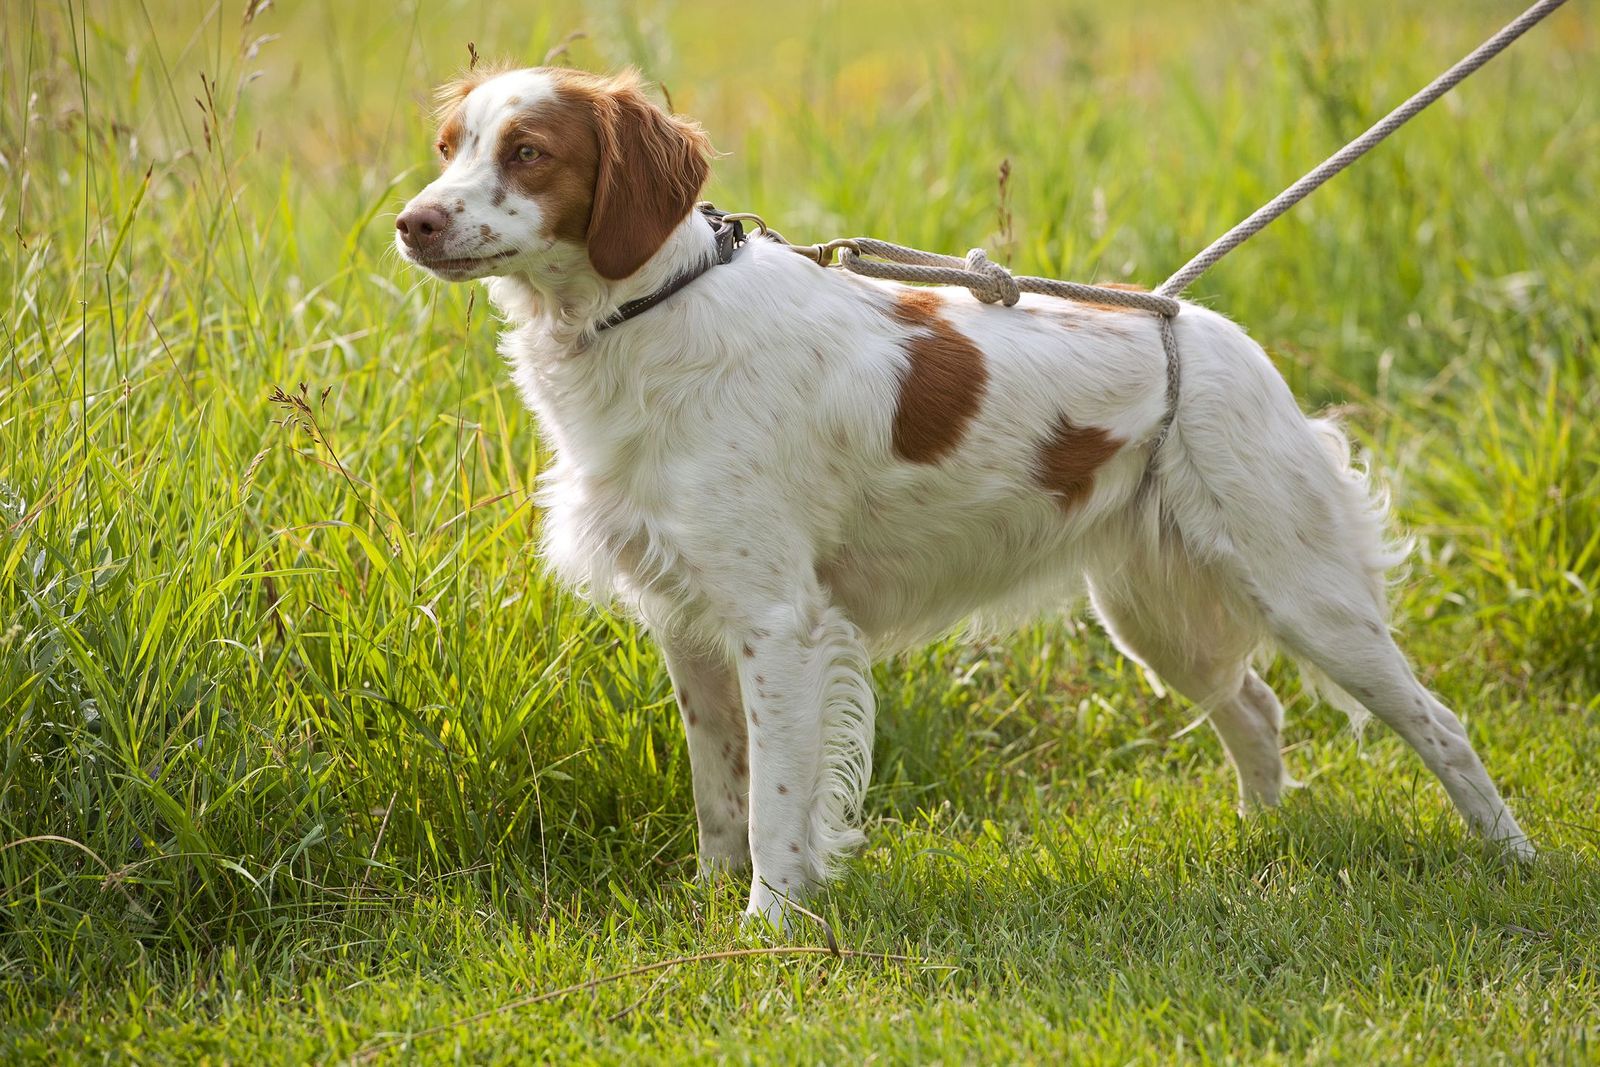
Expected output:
(944, 385)
(1068, 459)
(918, 307)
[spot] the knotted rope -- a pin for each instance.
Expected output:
(992, 283)
(989, 282)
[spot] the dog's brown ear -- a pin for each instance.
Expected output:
(651, 169)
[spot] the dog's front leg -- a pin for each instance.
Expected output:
(808, 710)
(713, 721)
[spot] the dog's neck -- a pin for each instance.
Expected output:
(565, 297)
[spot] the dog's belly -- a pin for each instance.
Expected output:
(898, 603)
(917, 559)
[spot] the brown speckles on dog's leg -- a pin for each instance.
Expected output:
(943, 385)
(783, 789)
(748, 651)
(1068, 459)
(794, 846)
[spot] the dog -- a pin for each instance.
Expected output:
(785, 471)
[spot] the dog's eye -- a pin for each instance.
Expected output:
(527, 154)
(444, 150)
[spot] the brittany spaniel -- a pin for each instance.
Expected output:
(785, 471)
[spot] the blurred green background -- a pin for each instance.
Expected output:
(300, 749)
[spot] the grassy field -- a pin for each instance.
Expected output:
(302, 754)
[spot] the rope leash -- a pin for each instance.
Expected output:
(992, 283)
(1356, 149)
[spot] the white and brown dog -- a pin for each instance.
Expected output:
(786, 470)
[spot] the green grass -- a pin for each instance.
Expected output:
(300, 752)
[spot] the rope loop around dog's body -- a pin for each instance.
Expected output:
(993, 284)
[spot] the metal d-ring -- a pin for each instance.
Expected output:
(746, 216)
(822, 255)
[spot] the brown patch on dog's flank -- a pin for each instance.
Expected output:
(944, 385)
(1068, 459)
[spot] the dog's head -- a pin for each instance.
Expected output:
(544, 168)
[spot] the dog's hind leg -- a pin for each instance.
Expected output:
(1179, 622)
(1269, 499)
(1348, 643)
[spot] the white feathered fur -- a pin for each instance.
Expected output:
(724, 468)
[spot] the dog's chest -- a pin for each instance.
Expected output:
(620, 492)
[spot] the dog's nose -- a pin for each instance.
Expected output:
(421, 226)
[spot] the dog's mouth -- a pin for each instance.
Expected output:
(460, 266)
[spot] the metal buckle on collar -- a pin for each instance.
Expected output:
(728, 228)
